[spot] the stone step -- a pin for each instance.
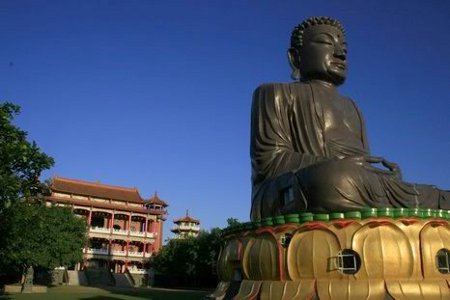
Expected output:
(77, 278)
(122, 280)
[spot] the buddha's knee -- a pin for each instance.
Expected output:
(330, 185)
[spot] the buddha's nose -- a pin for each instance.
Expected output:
(339, 52)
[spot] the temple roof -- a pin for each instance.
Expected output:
(86, 188)
(156, 200)
(186, 219)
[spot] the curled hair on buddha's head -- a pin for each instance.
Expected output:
(297, 39)
(299, 30)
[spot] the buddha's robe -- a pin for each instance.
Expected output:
(303, 139)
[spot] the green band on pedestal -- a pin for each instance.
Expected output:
(336, 216)
(267, 222)
(321, 217)
(369, 213)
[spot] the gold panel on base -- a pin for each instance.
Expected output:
(370, 258)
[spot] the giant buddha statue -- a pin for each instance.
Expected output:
(309, 148)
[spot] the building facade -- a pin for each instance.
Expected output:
(186, 227)
(124, 229)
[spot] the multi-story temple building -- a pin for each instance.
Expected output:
(185, 227)
(124, 229)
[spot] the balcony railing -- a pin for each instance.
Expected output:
(118, 252)
(100, 229)
(122, 232)
(137, 233)
(97, 251)
(137, 271)
(136, 254)
(186, 227)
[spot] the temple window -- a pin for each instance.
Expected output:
(286, 239)
(348, 261)
(97, 221)
(442, 261)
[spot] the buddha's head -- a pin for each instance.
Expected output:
(319, 51)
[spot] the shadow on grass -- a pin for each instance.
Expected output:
(99, 298)
(154, 294)
(109, 293)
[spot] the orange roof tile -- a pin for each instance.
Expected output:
(156, 200)
(186, 219)
(107, 206)
(85, 188)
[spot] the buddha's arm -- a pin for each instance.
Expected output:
(271, 147)
(393, 168)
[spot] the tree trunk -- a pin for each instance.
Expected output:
(27, 286)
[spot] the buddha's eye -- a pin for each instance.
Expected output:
(323, 39)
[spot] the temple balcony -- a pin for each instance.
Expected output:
(99, 229)
(97, 251)
(106, 230)
(136, 254)
(119, 252)
(186, 228)
(137, 271)
(137, 233)
(104, 251)
(120, 231)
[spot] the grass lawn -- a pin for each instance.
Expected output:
(108, 293)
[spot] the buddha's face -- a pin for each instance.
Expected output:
(323, 55)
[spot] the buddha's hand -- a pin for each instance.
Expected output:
(392, 167)
(367, 161)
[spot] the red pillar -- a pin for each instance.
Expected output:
(129, 223)
(160, 235)
(112, 222)
(152, 226)
(89, 218)
(144, 229)
(156, 230)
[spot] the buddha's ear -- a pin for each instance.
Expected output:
(294, 62)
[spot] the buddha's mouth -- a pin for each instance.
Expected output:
(338, 65)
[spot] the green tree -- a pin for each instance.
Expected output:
(21, 162)
(209, 244)
(191, 261)
(38, 236)
(233, 222)
(31, 234)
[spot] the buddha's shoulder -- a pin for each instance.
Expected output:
(279, 88)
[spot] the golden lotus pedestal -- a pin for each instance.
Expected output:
(373, 254)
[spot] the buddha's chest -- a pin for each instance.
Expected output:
(340, 119)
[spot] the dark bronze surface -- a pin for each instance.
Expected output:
(309, 149)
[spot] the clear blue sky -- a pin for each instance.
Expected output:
(157, 94)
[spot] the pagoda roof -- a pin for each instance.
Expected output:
(86, 188)
(156, 200)
(186, 219)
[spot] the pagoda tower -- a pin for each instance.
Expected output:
(186, 227)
